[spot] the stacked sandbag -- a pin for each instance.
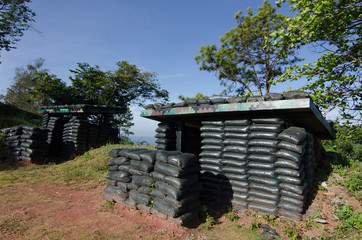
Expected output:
(45, 120)
(34, 145)
(264, 190)
(119, 178)
(176, 188)
(107, 134)
(235, 186)
(212, 133)
(166, 136)
(11, 142)
(74, 137)
(92, 139)
(55, 126)
(292, 164)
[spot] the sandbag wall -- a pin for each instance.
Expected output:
(261, 164)
(166, 136)
(25, 142)
(159, 182)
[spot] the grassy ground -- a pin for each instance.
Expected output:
(64, 201)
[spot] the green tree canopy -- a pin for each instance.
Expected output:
(15, 18)
(335, 28)
(247, 58)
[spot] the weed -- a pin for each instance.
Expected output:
(151, 202)
(232, 216)
(208, 220)
(293, 231)
(253, 225)
(139, 213)
(269, 219)
(348, 218)
(12, 225)
(105, 206)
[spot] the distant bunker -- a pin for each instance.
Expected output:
(258, 153)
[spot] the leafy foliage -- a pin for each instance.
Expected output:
(15, 18)
(334, 27)
(247, 56)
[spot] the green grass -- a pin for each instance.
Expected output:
(89, 170)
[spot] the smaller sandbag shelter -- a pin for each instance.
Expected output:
(73, 129)
(258, 153)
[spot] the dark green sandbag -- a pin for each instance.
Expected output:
(118, 161)
(294, 135)
(139, 198)
(142, 181)
(167, 209)
(183, 160)
(268, 202)
(183, 181)
(267, 209)
(265, 195)
(169, 190)
(118, 176)
(142, 165)
(242, 122)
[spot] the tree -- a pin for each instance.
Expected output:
(247, 56)
(198, 96)
(15, 18)
(33, 87)
(123, 87)
(335, 28)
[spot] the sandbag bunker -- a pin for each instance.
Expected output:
(259, 153)
(159, 182)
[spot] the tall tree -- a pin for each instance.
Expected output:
(334, 27)
(33, 87)
(247, 58)
(15, 18)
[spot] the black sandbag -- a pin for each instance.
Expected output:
(167, 130)
(210, 128)
(142, 181)
(292, 201)
(113, 168)
(242, 204)
(116, 190)
(233, 163)
(233, 170)
(267, 209)
(183, 160)
(273, 203)
(158, 176)
(212, 168)
(263, 135)
(261, 165)
(182, 182)
(112, 183)
(265, 195)
(235, 141)
(238, 182)
(235, 156)
(292, 147)
(291, 180)
(261, 150)
(264, 180)
(291, 172)
(167, 209)
(139, 198)
(237, 129)
(210, 147)
(113, 197)
(236, 149)
(114, 152)
(143, 207)
(166, 135)
(296, 157)
(211, 141)
(124, 168)
(240, 196)
(184, 218)
(294, 135)
(212, 135)
(162, 156)
(168, 170)
(195, 188)
(135, 154)
(213, 123)
(290, 214)
(165, 141)
(157, 194)
(264, 188)
(294, 195)
(264, 143)
(170, 191)
(189, 198)
(291, 207)
(144, 190)
(216, 173)
(122, 186)
(242, 122)
(237, 135)
(286, 163)
(232, 188)
(211, 154)
(134, 171)
(118, 161)
(142, 165)
(262, 173)
(208, 193)
(119, 176)
(295, 95)
(266, 127)
(273, 96)
(216, 180)
(294, 188)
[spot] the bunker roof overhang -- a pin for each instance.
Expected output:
(303, 112)
(82, 109)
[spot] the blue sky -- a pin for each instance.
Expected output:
(161, 36)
